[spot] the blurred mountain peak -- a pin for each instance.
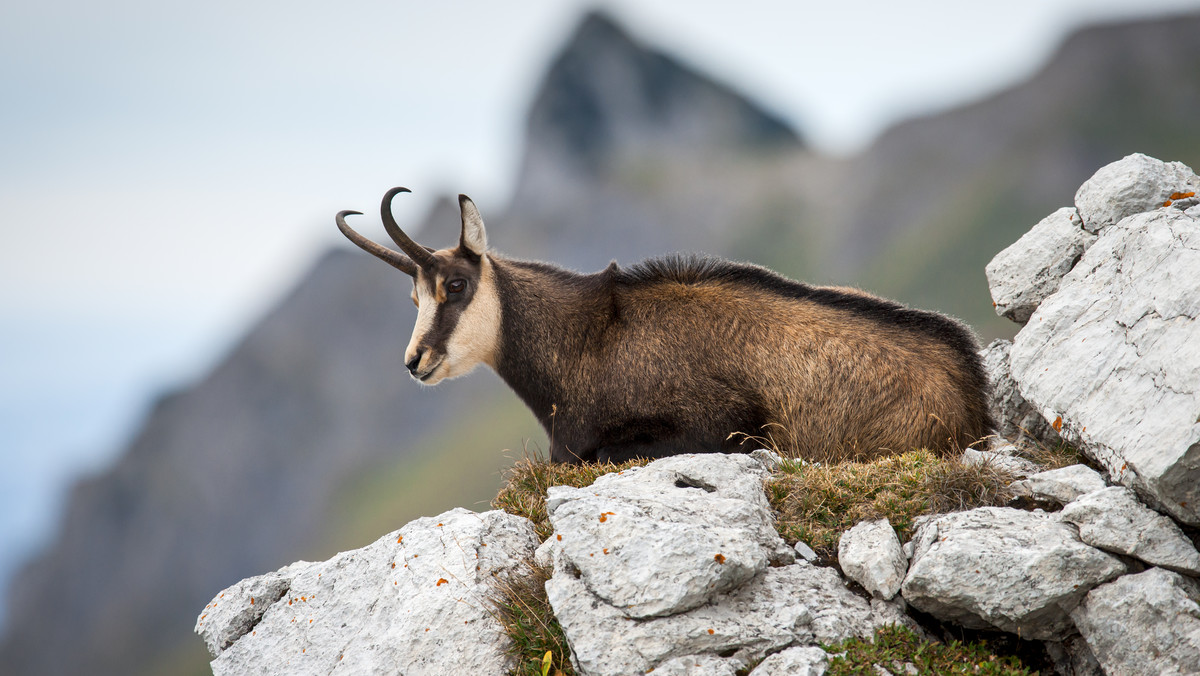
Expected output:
(607, 97)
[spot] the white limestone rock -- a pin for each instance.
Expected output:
(995, 567)
(870, 554)
(709, 508)
(1147, 623)
(805, 552)
(798, 661)
(1016, 419)
(1113, 358)
(413, 602)
(1113, 520)
(1022, 275)
(1059, 485)
(1004, 458)
(1133, 185)
(798, 604)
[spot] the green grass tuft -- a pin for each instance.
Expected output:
(895, 646)
(524, 611)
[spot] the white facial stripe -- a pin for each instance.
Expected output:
(426, 310)
(476, 338)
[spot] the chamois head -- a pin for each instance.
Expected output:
(458, 310)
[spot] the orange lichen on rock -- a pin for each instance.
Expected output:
(604, 516)
(1182, 195)
(400, 539)
(441, 581)
(1057, 424)
(719, 558)
(710, 631)
(1167, 203)
(560, 536)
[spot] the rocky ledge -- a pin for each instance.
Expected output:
(676, 567)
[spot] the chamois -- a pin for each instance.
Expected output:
(688, 354)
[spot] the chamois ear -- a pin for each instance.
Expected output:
(474, 237)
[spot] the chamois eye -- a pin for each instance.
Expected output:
(456, 286)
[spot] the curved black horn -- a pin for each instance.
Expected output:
(399, 261)
(415, 251)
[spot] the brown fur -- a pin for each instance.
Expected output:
(659, 367)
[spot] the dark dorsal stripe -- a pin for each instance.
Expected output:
(695, 269)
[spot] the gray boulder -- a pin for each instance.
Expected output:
(1113, 520)
(1059, 485)
(1006, 569)
(413, 602)
(709, 508)
(1147, 623)
(1021, 276)
(1133, 185)
(1016, 419)
(870, 554)
(798, 604)
(1113, 358)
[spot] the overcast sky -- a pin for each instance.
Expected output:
(167, 169)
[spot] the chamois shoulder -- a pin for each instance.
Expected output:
(697, 269)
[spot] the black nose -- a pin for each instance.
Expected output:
(414, 362)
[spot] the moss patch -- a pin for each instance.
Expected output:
(893, 647)
(818, 502)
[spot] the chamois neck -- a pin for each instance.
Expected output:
(548, 317)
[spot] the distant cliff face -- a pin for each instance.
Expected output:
(629, 154)
(606, 97)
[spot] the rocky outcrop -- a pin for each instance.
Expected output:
(1111, 358)
(638, 583)
(416, 601)
(1000, 568)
